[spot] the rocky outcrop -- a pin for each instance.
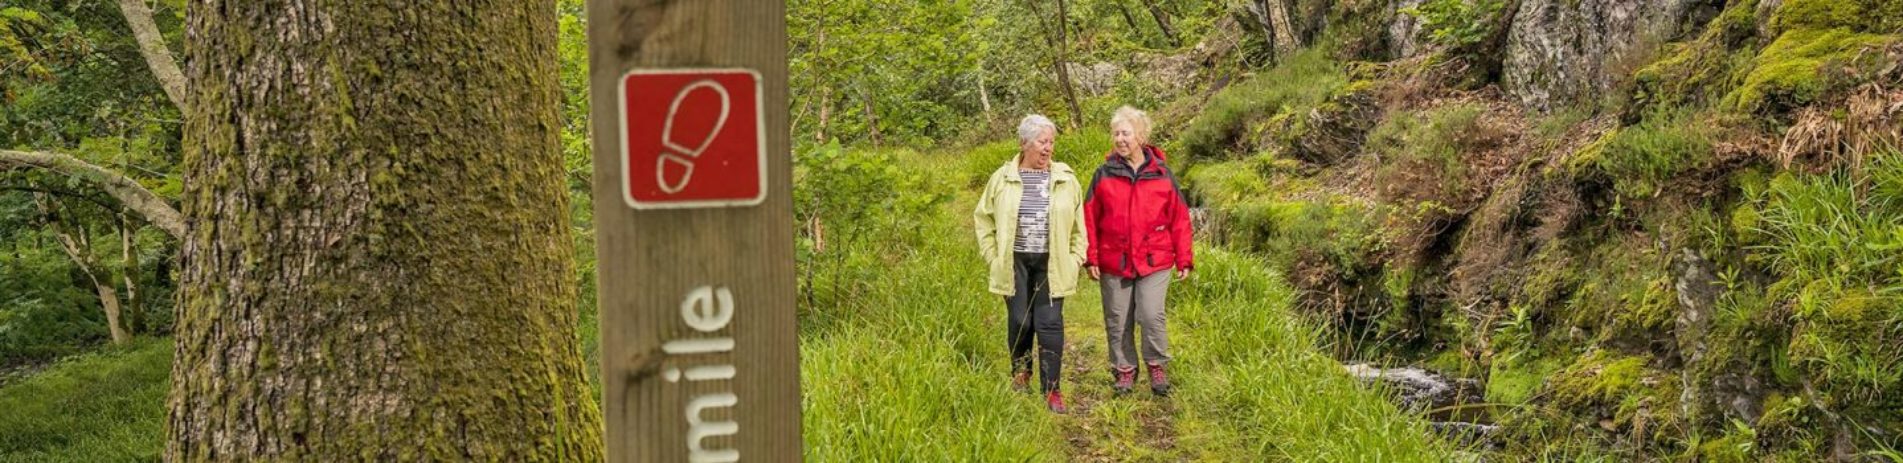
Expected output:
(1561, 52)
(1404, 32)
(1094, 79)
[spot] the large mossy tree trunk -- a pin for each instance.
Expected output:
(378, 264)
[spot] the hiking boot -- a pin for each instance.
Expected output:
(1056, 401)
(1125, 378)
(1021, 381)
(1159, 382)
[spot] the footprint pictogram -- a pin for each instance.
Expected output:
(675, 168)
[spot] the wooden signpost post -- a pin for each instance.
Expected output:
(694, 229)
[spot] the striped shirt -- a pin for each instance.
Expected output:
(1034, 213)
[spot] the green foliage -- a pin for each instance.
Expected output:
(845, 197)
(1224, 128)
(1835, 242)
(1639, 161)
(1456, 23)
(104, 406)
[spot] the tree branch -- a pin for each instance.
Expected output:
(134, 196)
(152, 45)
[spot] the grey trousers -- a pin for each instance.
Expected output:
(1129, 303)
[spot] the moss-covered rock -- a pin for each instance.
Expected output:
(1803, 65)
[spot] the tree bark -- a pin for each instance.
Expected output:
(380, 264)
(1162, 22)
(152, 46)
(126, 190)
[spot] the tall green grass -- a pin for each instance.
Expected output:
(104, 406)
(913, 366)
(1254, 384)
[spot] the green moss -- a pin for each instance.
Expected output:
(1817, 14)
(1516, 381)
(1800, 67)
(1601, 377)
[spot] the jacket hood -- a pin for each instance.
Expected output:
(1151, 150)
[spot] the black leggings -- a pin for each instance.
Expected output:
(1035, 314)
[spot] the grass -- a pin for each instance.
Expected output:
(108, 405)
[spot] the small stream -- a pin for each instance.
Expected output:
(1454, 407)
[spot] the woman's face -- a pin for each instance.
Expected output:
(1126, 139)
(1037, 152)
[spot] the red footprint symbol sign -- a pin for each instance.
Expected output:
(692, 139)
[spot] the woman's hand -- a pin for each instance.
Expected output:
(1094, 273)
(1182, 274)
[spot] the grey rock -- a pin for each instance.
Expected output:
(1561, 52)
(1094, 79)
(1404, 32)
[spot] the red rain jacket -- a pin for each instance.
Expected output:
(1138, 219)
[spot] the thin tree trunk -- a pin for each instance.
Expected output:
(129, 260)
(380, 264)
(825, 114)
(1162, 22)
(1129, 20)
(984, 94)
(152, 46)
(1058, 58)
(872, 118)
(78, 246)
(1286, 40)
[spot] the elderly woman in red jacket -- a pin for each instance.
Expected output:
(1138, 225)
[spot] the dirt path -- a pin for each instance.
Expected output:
(1102, 427)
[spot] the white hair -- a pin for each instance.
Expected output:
(1138, 120)
(1034, 125)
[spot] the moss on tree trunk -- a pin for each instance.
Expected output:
(378, 264)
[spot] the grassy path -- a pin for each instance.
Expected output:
(914, 369)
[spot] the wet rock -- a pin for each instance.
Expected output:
(1421, 390)
(1465, 434)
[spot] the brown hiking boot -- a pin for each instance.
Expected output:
(1056, 401)
(1159, 382)
(1125, 379)
(1021, 381)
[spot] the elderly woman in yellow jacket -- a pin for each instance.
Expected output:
(1030, 231)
